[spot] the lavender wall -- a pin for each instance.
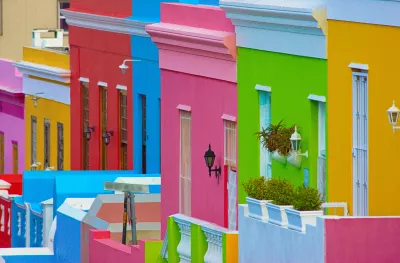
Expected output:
(12, 123)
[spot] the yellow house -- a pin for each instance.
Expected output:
(19, 17)
(363, 69)
(47, 108)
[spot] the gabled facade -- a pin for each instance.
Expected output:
(198, 87)
(46, 78)
(282, 75)
(12, 130)
(362, 145)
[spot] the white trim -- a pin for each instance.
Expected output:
(43, 71)
(82, 79)
(184, 107)
(228, 117)
(268, 24)
(316, 98)
(105, 23)
(122, 87)
(358, 66)
(365, 11)
(263, 88)
(102, 84)
(51, 91)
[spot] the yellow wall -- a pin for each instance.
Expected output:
(20, 17)
(47, 109)
(55, 112)
(377, 46)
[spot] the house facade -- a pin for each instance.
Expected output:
(19, 18)
(362, 144)
(198, 109)
(46, 78)
(12, 131)
(279, 81)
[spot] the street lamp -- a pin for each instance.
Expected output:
(209, 157)
(393, 114)
(88, 132)
(124, 67)
(107, 136)
(295, 156)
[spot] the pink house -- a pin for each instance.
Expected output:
(12, 125)
(197, 56)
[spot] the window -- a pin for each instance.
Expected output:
(85, 124)
(185, 199)
(123, 124)
(62, 24)
(103, 116)
(321, 180)
(230, 143)
(46, 143)
(60, 146)
(1, 153)
(15, 157)
(33, 139)
(265, 121)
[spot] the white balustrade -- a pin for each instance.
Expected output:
(35, 233)
(9, 222)
(184, 247)
(2, 220)
(19, 216)
(214, 240)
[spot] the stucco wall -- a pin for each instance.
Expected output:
(376, 46)
(20, 17)
(292, 79)
(262, 242)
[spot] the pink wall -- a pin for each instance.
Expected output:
(12, 123)
(104, 250)
(367, 240)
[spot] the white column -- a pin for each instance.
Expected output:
(27, 225)
(214, 240)
(3, 218)
(47, 220)
(8, 222)
(184, 247)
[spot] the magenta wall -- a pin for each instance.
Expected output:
(209, 100)
(367, 240)
(12, 123)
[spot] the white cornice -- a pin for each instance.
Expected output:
(278, 26)
(43, 71)
(105, 23)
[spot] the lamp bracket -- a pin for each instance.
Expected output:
(305, 154)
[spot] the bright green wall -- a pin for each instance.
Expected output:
(153, 252)
(291, 78)
(198, 244)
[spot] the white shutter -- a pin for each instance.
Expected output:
(360, 144)
(230, 143)
(321, 150)
(232, 199)
(265, 120)
(185, 194)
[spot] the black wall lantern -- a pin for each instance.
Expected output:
(209, 157)
(107, 136)
(88, 132)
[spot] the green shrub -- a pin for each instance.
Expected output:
(307, 199)
(280, 191)
(256, 188)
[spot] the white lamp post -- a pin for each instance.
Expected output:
(393, 114)
(124, 67)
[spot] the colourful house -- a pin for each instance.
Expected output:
(198, 87)
(282, 75)
(362, 144)
(12, 130)
(47, 111)
(19, 18)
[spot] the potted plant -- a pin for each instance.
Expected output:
(281, 192)
(270, 138)
(256, 189)
(307, 206)
(283, 144)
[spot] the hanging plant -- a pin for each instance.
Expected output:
(283, 141)
(269, 137)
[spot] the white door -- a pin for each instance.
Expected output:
(360, 144)
(185, 185)
(321, 180)
(232, 199)
(265, 121)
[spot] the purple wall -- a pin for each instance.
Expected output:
(12, 123)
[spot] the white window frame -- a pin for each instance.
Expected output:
(230, 137)
(185, 116)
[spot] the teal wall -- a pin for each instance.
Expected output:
(291, 78)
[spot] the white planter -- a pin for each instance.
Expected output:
(277, 214)
(257, 208)
(294, 160)
(279, 158)
(297, 220)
